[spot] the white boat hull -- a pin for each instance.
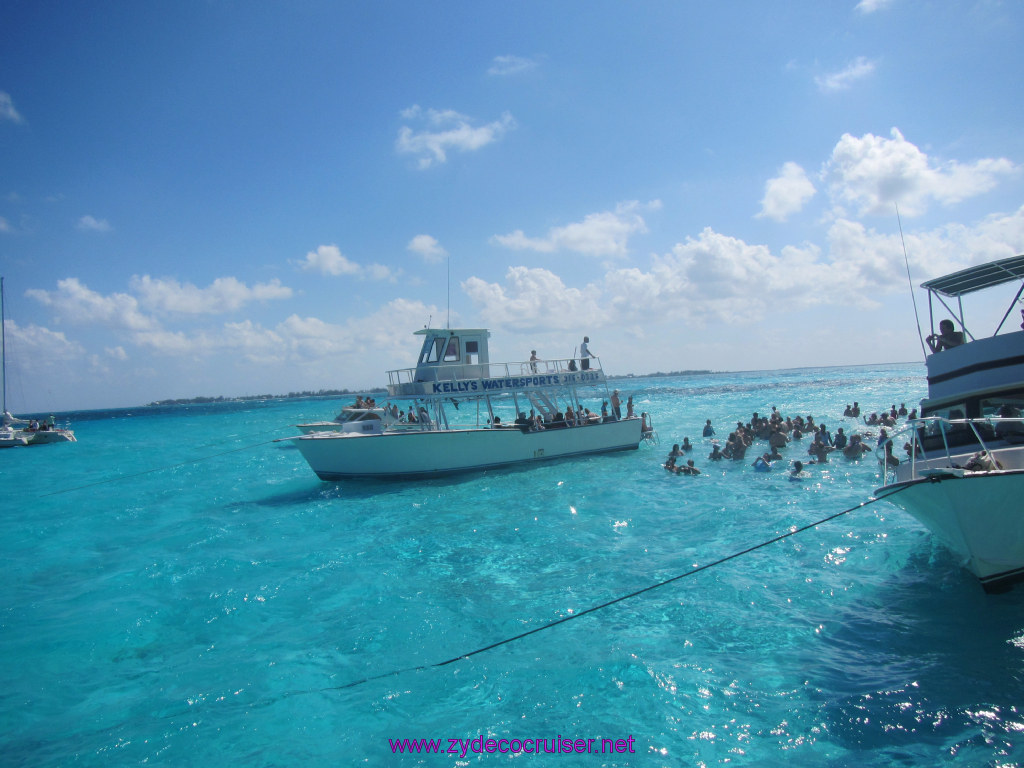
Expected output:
(412, 453)
(979, 516)
(45, 437)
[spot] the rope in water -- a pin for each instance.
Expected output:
(520, 636)
(609, 603)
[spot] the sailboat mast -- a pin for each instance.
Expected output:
(3, 349)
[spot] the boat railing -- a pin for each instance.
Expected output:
(403, 376)
(936, 443)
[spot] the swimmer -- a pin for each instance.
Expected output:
(762, 464)
(689, 469)
(798, 468)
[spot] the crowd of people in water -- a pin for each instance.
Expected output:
(781, 434)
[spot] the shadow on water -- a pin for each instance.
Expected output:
(367, 488)
(923, 662)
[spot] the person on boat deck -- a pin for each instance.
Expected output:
(616, 405)
(533, 360)
(411, 418)
(424, 417)
(585, 354)
(947, 337)
(604, 410)
(629, 408)
(570, 416)
(708, 429)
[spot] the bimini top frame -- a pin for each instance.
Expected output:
(973, 279)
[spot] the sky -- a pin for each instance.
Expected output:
(216, 197)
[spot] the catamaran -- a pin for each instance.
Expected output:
(18, 432)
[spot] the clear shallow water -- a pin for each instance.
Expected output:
(209, 612)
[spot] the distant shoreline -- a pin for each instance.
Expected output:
(203, 400)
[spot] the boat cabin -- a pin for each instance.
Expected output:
(452, 354)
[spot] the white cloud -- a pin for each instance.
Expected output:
(7, 110)
(451, 131)
(36, 342)
(856, 70)
(786, 193)
(427, 247)
(874, 173)
(5, 225)
(599, 234)
(535, 299)
(92, 224)
(511, 65)
(117, 353)
(225, 294)
(77, 303)
(328, 260)
(870, 6)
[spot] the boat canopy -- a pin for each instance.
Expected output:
(978, 277)
(973, 279)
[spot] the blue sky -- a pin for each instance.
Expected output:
(230, 198)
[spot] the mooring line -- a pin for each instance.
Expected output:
(593, 609)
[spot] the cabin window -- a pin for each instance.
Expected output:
(451, 353)
(432, 353)
(1009, 404)
(472, 350)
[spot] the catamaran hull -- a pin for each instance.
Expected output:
(335, 456)
(51, 436)
(978, 516)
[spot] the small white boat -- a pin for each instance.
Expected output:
(27, 432)
(10, 438)
(351, 419)
(456, 411)
(960, 467)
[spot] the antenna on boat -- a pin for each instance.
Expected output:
(910, 282)
(448, 320)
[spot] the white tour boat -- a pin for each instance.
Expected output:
(14, 431)
(456, 411)
(961, 465)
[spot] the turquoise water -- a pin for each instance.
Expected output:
(178, 590)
